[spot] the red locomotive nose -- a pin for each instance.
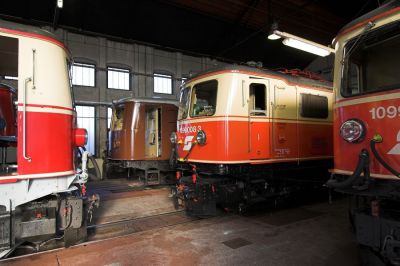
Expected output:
(81, 137)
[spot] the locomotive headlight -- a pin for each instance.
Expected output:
(81, 137)
(173, 138)
(352, 131)
(201, 137)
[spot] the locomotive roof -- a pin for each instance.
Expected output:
(27, 28)
(382, 9)
(147, 100)
(290, 78)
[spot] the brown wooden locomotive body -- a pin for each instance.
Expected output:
(139, 134)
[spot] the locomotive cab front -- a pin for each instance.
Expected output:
(38, 137)
(367, 108)
(367, 127)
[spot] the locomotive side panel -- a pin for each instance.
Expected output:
(315, 119)
(140, 130)
(122, 135)
(257, 119)
(45, 94)
(284, 121)
(169, 113)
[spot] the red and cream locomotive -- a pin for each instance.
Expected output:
(41, 193)
(246, 135)
(367, 127)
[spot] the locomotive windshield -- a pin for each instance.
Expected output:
(204, 99)
(371, 62)
(184, 103)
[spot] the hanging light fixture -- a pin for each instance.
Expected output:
(60, 4)
(272, 35)
(301, 43)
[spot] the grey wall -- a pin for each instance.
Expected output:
(323, 66)
(142, 60)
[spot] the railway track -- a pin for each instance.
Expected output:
(135, 225)
(108, 230)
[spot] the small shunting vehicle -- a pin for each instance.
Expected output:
(139, 136)
(367, 128)
(246, 135)
(42, 193)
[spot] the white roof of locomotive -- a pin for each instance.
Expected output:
(147, 100)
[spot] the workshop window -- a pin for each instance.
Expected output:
(118, 78)
(86, 119)
(83, 74)
(314, 106)
(162, 83)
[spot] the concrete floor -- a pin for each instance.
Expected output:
(316, 234)
(119, 202)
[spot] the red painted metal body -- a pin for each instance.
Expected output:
(8, 111)
(236, 136)
(372, 110)
(49, 142)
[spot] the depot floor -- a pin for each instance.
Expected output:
(313, 234)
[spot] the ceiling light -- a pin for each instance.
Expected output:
(302, 44)
(305, 47)
(273, 36)
(60, 3)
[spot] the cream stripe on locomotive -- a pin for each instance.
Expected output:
(344, 172)
(252, 119)
(44, 175)
(259, 161)
(54, 110)
(368, 99)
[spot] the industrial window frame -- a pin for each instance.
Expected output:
(161, 77)
(119, 70)
(92, 148)
(83, 66)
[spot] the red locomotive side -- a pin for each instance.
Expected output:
(262, 131)
(245, 135)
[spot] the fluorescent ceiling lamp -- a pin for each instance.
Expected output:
(305, 47)
(273, 36)
(303, 44)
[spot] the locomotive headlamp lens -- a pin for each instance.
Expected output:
(201, 137)
(173, 138)
(81, 137)
(352, 131)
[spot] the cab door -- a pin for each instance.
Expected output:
(284, 121)
(259, 126)
(152, 137)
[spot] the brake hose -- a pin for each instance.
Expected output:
(378, 139)
(362, 166)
